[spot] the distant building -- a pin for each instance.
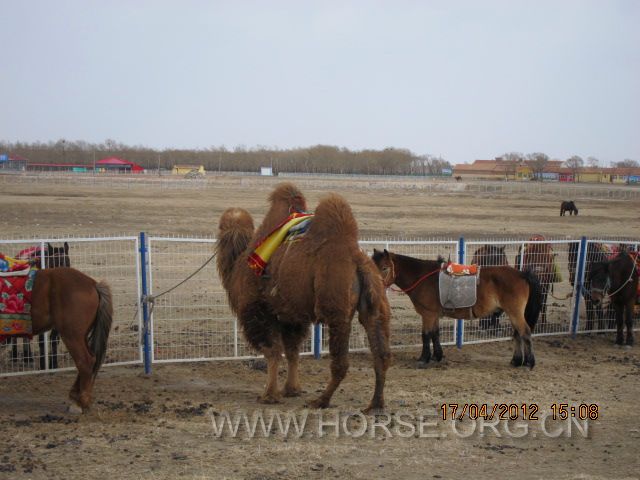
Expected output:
(12, 162)
(119, 165)
(184, 169)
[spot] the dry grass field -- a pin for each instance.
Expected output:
(160, 426)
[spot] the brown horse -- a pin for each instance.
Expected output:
(617, 278)
(81, 310)
(538, 257)
(517, 293)
(322, 277)
(490, 256)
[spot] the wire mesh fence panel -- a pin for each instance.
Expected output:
(601, 317)
(192, 321)
(550, 260)
(113, 259)
(406, 324)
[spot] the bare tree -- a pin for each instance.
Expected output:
(538, 162)
(593, 162)
(575, 164)
(629, 165)
(511, 161)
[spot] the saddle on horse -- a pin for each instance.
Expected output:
(458, 285)
(16, 284)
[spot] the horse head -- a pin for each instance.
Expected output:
(384, 262)
(599, 281)
(57, 256)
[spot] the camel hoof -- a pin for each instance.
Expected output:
(319, 403)
(291, 392)
(74, 409)
(373, 410)
(268, 399)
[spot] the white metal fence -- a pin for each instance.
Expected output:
(193, 322)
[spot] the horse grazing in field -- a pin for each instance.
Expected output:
(595, 254)
(490, 256)
(538, 257)
(617, 278)
(500, 288)
(53, 257)
(458, 178)
(322, 277)
(568, 206)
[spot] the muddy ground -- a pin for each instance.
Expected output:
(161, 426)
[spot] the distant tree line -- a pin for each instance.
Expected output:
(316, 159)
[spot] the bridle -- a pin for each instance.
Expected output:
(607, 284)
(388, 283)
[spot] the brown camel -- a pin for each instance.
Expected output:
(322, 277)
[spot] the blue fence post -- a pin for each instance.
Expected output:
(146, 320)
(317, 340)
(579, 281)
(459, 322)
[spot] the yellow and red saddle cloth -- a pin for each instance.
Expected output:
(289, 230)
(16, 285)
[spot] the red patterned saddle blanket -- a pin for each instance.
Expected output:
(16, 285)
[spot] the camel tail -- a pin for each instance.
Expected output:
(373, 303)
(235, 231)
(534, 302)
(99, 332)
(334, 219)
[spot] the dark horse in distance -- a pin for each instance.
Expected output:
(53, 257)
(500, 288)
(323, 277)
(568, 206)
(617, 278)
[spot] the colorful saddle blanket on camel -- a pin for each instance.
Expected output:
(292, 228)
(16, 284)
(458, 285)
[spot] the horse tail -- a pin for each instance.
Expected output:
(534, 302)
(99, 332)
(334, 219)
(235, 231)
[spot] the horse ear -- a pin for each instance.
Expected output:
(386, 253)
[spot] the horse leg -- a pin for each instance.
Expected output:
(338, 348)
(429, 325)
(27, 353)
(53, 354)
(619, 324)
(292, 338)
(543, 311)
(437, 348)
(522, 348)
(14, 349)
(80, 393)
(42, 358)
(628, 318)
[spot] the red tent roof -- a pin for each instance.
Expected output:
(119, 161)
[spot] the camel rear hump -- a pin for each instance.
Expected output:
(334, 218)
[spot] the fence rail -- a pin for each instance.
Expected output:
(194, 322)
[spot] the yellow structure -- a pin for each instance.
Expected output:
(184, 169)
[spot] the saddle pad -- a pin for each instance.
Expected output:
(267, 246)
(457, 291)
(15, 304)
(459, 269)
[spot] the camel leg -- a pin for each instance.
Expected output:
(292, 337)
(377, 328)
(272, 355)
(338, 349)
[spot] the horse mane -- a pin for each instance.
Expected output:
(334, 219)
(235, 230)
(285, 199)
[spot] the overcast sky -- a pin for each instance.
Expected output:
(461, 79)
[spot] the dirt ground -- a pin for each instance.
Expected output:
(161, 426)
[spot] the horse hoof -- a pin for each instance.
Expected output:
(421, 365)
(74, 409)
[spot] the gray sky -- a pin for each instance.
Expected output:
(461, 79)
